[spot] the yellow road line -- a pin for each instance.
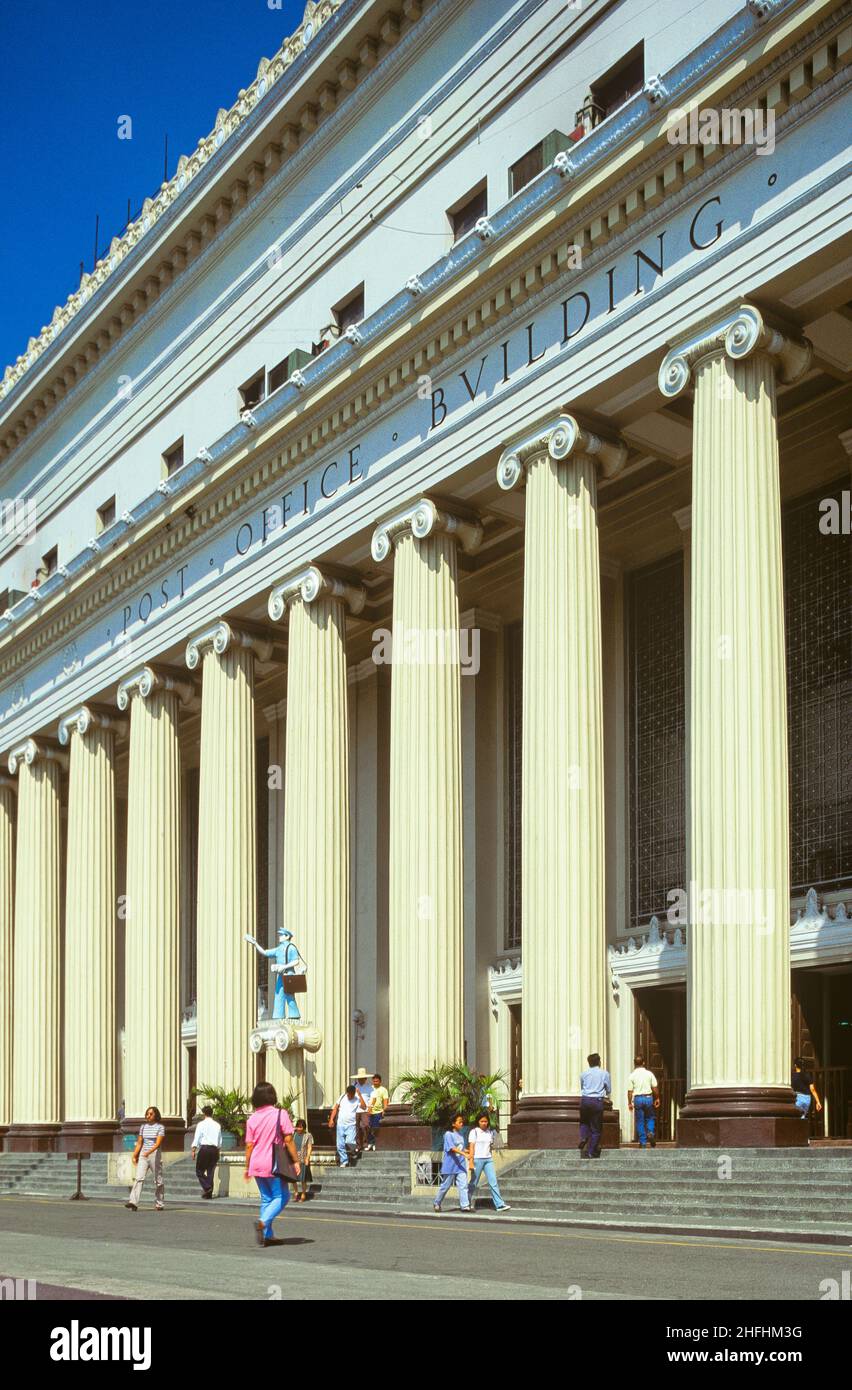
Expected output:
(703, 1243)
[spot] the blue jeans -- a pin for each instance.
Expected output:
(591, 1123)
(460, 1180)
(643, 1109)
(803, 1101)
(274, 1197)
(486, 1166)
(346, 1134)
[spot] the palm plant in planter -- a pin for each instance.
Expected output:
(230, 1110)
(449, 1089)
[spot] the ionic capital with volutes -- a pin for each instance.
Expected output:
(30, 752)
(559, 439)
(737, 334)
(146, 681)
(220, 637)
(421, 520)
(311, 583)
(84, 719)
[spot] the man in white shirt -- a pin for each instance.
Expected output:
(205, 1150)
(643, 1098)
(345, 1113)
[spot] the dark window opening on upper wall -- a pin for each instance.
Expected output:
(9, 597)
(350, 310)
(106, 516)
(253, 391)
(173, 458)
(277, 375)
(49, 565)
(464, 217)
(536, 160)
(622, 81)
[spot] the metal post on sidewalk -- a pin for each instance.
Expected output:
(78, 1195)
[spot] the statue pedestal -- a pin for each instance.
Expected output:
(285, 1043)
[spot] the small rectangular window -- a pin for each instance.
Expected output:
(8, 599)
(106, 516)
(277, 375)
(525, 169)
(173, 458)
(350, 310)
(623, 80)
(540, 157)
(49, 565)
(464, 217)
(253, 391)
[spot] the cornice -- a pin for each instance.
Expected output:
(310, 584)
(83, 720)
(737, 334)
(559, 439)
(638, 198)
(221, 637)
(243, 193)
(317, 14)
(422, 520)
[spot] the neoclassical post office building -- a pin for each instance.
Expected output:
(426, 531)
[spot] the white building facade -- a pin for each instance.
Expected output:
(427, 531)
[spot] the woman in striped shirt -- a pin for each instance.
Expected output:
(147, 1157)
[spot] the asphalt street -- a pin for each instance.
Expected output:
(209, 1252)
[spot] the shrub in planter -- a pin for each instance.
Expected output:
(452, 1088)
(230, 1110)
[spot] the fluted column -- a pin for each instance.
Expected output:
(8, 789)
(227, 854)
(738, 938)
(425, 839)
(152, 1074)
(89, 1061)
(316, 811)
(36, 1080)
(562, 832)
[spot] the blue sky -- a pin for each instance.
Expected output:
(70, 69)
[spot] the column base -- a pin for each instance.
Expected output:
(553, 1122)
(400, 1131)
(175, 1127)
(23, 1138)
(741, 1117)
(88, 1136)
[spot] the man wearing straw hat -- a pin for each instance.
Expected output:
(364, 1087)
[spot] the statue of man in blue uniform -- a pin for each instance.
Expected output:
(286, 960)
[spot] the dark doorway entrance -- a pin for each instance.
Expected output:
(821, 1033)
(515, 1056)
(661, 1038)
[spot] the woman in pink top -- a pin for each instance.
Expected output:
(261, 1128)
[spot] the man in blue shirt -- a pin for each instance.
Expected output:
(595, 1088)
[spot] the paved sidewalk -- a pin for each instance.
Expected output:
(208, 1252)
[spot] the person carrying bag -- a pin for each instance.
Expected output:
(271, 1157)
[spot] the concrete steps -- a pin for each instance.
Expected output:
(798, 1193)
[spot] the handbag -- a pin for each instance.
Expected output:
(282, 1163)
